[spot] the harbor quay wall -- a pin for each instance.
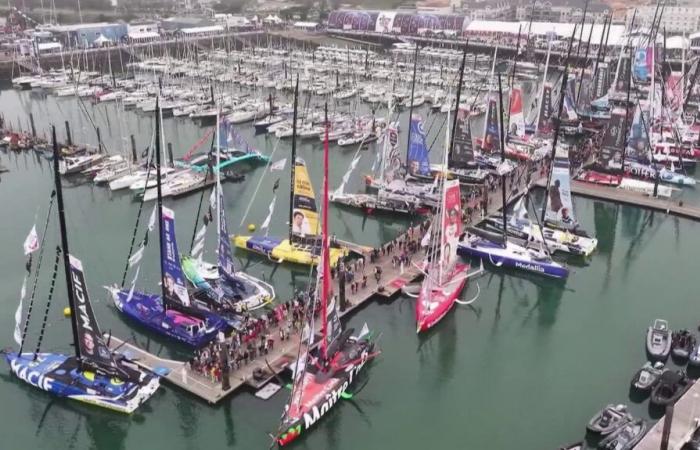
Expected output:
(99, 58)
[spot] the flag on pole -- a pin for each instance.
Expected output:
(278, 165)
(31, 243)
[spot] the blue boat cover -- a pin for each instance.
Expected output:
(263, 244)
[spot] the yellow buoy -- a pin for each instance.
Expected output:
(251, 227)
(66, 311)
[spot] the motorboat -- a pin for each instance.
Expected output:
(625, 437)
(659, 340)
(682, 344)
(647, 377)
(609, 419)
(263, 125)
(694, 357)
(73, 164)
(670, 387)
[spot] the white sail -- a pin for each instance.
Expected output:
(266, 223)
(346, 177)
(18, 313)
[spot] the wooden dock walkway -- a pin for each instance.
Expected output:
(393, 278)
(685, 420)
(612, 194)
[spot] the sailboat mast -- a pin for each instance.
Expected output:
(597, 60)
(410, 110)
(503, 157)
(564, 82)
(325, 277)
(160, 203)
(64, 243)
(544, 82)
(457, 100)
(294, 157)
(218, 176)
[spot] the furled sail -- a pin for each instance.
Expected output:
(492, 141)
(91, 344)
(544, 119)
(622, 80)
(516, 124)
(305, 213)
(173, 277)
(417, 160)
(226, 268)
(462, 149)
(391, 164)
(613, 141)
(638, 140)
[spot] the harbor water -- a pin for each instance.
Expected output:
(525, 366)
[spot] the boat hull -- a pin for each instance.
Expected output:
(435, 302)
(282, 250)
(60, 375)
(320, 393)
(492, 253)
(147, 310)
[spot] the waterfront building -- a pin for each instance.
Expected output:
(679, 16)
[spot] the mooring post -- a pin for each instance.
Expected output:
(69, 140)
(31, 123)
(134, 156)
(170, 154)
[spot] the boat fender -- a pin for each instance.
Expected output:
(251, 227)
(66, 311)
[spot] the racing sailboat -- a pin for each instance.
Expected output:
(302, 243)
(219, 285)
(497, 248)
(171, 313)
(93, 374)
(445, 274)
(327, 371)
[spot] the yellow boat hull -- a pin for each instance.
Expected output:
(282, 250)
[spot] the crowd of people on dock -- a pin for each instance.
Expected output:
(255, 337)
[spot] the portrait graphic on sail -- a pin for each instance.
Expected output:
(173, 276)
(417, 161)
(451, 222)
(462, 150)
(559, 204)
(304, 214)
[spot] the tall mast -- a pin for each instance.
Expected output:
(64, 244)
(564, 81)
(218, 177)
(160, 204)
(544, 81)
(597, 60)
(503, 157)
(585, 62)
(457, 100)
(325, 277)
(294, 157)
(410, 110)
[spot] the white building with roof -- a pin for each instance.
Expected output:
(679, 16)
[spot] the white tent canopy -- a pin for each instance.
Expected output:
(562, 30)
(208, 29)
(677, 43)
